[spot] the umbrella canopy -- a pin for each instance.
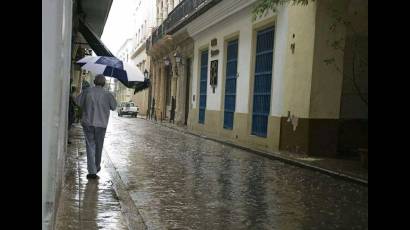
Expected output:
(112, 67)
(142, 85)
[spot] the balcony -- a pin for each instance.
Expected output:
(186, 11)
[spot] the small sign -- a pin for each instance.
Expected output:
(214, 53)
(214, 42)
(214, 74)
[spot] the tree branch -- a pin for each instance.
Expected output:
(352, 78)
(355, 83)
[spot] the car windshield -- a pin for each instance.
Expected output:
(129, 105)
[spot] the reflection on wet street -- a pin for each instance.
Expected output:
(180, 181)
(86, 204)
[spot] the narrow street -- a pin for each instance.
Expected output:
(180, 181)
(273, 96)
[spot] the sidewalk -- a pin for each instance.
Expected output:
(350, 170)
(87, 204)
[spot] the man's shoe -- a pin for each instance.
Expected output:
(92, 176)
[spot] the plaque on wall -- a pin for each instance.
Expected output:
(214, 74)
(214, 42)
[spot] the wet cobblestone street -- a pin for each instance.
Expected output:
(180, 181)
(87, 204)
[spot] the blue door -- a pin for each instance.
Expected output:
(262, 82)
(203, 86)
(230, 83)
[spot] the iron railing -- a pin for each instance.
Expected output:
(183, 13)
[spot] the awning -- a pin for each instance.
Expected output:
(99, 48)
(93, 40)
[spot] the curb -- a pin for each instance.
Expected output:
(274, 156)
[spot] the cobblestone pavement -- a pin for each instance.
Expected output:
(86, 204)
(180, 181)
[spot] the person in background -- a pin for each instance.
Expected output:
(153, 115)
(95, 103)
(71, 110)
(173, 107)
(84, 86)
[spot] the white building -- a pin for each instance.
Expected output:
(163, 8)
(62, 44)
(144, 18)
(122, 93)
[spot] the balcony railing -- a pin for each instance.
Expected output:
(183, 13)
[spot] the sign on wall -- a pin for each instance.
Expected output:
(214, 42)
(214, 74)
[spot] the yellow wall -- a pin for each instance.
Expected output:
(141, 100)
(326, 86)
(298, 67)
(311, 89)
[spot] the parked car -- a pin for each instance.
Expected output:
(128, 108)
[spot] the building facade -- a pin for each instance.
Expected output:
(261, 83)
(144, 18)
(163, 8)
(171, 51)
(122, 93)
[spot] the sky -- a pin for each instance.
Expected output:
(116, 29)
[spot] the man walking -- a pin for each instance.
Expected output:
(95, 104)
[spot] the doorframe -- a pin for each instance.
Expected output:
(227, 39)
(264, 24)
(188, 75)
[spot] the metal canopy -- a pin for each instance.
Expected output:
(93, 40)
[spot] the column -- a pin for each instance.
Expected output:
(176, 2)
(153, 78)
(165, 10)
(162, 92)
(181, 97)
(157, 89)
(175, 77)
(170, 5)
